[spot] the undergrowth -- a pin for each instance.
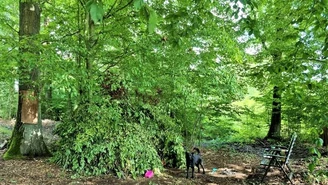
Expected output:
(100, 139)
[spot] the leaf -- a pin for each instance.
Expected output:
(144, 15)
(236, 16)
(88, 4)
(257, 33)
(97, 12)
(152, 21)
(243, 2)
(325, 53)
(311, 167)
(299, 97)
(319, 142)
(138, 4)
(254, 5)
(324, 2)
(315, 151)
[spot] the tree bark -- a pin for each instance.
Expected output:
(27, 138)
(275, 126)
(324, 136)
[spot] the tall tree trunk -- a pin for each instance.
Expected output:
(275, 126)
(27, 138)
(84, 60)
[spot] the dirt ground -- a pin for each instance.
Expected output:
(230, 165)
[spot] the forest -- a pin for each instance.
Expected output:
(100, 91)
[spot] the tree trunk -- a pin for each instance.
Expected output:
(275, 126)
(84, 60)
(324, 136)
(27, 138)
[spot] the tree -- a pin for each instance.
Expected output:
(145, 67)
(290, 44)
(27, 138)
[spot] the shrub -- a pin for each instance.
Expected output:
(97, 139)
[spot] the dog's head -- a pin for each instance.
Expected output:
(195, 149)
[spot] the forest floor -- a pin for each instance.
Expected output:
(230, 165)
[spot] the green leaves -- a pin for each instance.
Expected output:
(149, 14)
(152, 20)
(324, 3)
(316, 155)
(106, 141)
(138, 4)
(96, 10)
(311, 167)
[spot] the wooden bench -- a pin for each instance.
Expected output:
(278, 156)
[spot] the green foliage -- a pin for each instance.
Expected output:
(221, 127)
(8, 100)
(97, 140)
(8, 58)
(152, 20)
(138, 4)
(285, 51)
(215, 143)
(171, 150)
(137, 152)
(316, 155)
(243, 120)
(181, 68)
(5, 131)
(316, 175)
(13, 151)
(96, 10)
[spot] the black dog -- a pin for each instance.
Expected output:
(193, 159)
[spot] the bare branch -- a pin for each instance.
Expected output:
(11, 27)
(63, 37)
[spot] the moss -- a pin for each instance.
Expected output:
(13, 151)
(24, 142)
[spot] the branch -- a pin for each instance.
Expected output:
(11, 27)
(71, 34)
(312, 59)
(67, 35)
(82, 3)
(119, 58)
(111, 8)
(111, 14)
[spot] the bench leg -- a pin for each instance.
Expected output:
(284, 171)
(289, 167)
(267, 169)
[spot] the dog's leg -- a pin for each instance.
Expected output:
(193, 162)
(198, 167)
(187, 171)
(201, 164)
(192, 171)
(187, 155)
